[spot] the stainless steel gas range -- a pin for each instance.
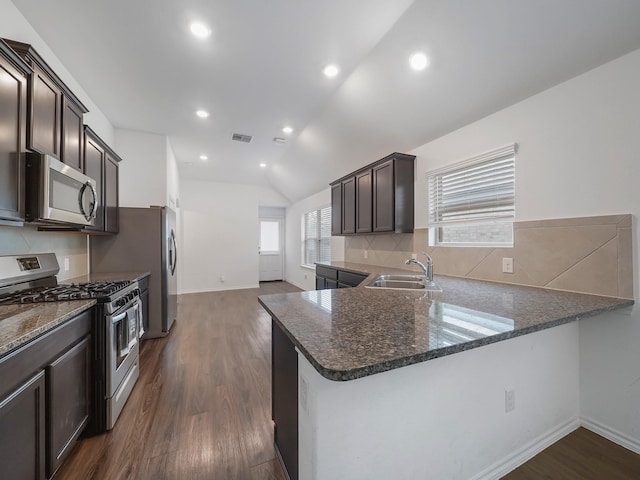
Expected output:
(116, 325)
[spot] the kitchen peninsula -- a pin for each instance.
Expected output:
(392, 384)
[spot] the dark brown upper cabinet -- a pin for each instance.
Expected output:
(72, 133)
(101, 164)
(348, 206)
(13, 114)
(378, 198)
(363, 202)
(111, 192)
(336, 206)
(55, 114)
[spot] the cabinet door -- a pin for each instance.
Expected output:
(46, 101)
(23, 414)
(320, 283)
(72, 134)
(363, 202)
(383, 198)
(111, 200)
(331, 284)
(284, 398)
(68, 402)
(94, 167)
(336, 209)
(13, 98)
(349, 205)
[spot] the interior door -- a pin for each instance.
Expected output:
(270, 249)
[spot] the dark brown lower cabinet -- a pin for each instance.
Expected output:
(22, 431)
(143, 284)
(333, 277)
(44, 400)
(67, 402)
(284, 408)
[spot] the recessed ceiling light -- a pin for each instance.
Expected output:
(331, 70)
(287, 130)
(263, 165)
(418, 61)
(200, 30)
(202, 113)
(204, 158)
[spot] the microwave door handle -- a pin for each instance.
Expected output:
(94, 204)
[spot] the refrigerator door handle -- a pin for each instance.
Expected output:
(173, 253)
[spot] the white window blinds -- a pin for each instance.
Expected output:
(316, 236)
(479, 190)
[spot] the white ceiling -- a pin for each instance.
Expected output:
(261, 70)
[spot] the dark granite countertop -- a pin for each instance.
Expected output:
(20, 324)
(355, 332)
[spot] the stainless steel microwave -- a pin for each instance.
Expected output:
(57, 193)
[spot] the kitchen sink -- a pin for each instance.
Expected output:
(403, 282)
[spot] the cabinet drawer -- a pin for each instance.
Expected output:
(353, 279)
(327, 272)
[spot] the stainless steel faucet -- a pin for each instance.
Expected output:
(426, 269)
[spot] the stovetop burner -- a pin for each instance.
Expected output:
(66, 292)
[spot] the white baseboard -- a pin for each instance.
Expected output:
(611, 434)
(527, 452)
(219, 289)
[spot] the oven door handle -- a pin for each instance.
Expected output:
(118, 318)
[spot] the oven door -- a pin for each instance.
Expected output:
(122, 344)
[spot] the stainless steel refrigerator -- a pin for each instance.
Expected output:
(146, 242)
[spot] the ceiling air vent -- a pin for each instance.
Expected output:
(239, 137)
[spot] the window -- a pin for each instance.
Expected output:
(473, 202)
(316, 236)
(270, 237)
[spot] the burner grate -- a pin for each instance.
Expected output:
(62, 292)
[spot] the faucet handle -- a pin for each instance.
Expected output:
(429, 259)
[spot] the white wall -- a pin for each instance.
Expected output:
(143, 170)
(296, 274)
(173, 178)
(220, 234)
(445, 418)
(578, 156)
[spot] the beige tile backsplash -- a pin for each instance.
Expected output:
(27, 239)
(587, 254)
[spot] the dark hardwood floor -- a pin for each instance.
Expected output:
(581, 455)
(202, 406)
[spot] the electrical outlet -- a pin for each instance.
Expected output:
(509, 401)
(507, 265)
(66, 264)
(414, 256)
(305, 276)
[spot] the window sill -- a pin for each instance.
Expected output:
(309, 267)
